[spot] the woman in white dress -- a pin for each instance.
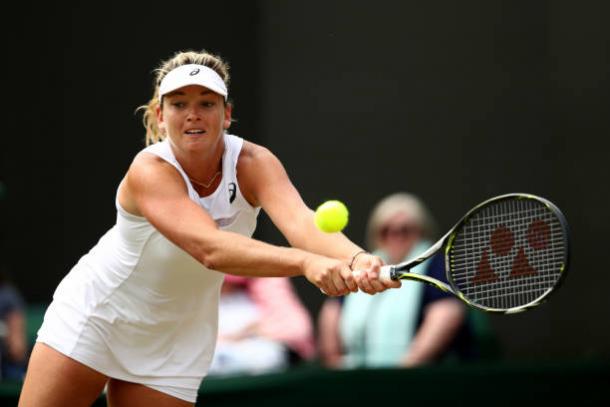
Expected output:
(138, 313)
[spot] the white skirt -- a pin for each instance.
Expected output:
(138, 308)
(86, 344)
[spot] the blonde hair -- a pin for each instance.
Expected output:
(391, 205)
(149, 119)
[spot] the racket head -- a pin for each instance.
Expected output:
(509, 253)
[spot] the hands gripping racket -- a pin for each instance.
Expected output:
(506, 255)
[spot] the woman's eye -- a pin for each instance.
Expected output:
(208, 104)
(179, 104)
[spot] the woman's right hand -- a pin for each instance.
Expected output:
(332, 276)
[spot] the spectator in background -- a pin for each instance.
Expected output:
(263, 327)
(410, 326)
(13, 346)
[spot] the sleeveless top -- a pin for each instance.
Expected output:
(137, 307)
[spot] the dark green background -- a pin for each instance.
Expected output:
(453, 101)
(506, 384)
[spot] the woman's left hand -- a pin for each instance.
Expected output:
(367, 269)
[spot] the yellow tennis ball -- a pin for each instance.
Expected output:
(331, 216)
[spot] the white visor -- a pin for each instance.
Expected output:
(192, 74)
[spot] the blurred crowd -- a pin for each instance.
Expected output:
(406, 327)
(264, 326)
(13, 340)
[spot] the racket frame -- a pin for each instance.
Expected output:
(401, 271)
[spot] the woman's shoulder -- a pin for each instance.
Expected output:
(150, 171)
(146, 160)
(256, 158)
(251, 151)
(257, 167)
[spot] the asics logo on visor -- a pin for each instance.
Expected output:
(194, 72)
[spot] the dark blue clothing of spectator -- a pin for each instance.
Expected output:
(462, 347)
(10, 302)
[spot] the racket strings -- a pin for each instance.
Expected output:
(535, 291)
(508, 254)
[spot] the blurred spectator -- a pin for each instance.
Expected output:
(13, 344)
(410, 326)
(263, 327)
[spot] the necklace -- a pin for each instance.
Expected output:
(209, 183)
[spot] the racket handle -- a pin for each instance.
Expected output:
(384, 275)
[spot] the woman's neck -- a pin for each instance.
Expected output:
(202, 164)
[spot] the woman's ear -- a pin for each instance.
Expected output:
(228, 115)
(160, 122)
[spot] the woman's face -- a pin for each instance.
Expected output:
(397, 235)
(194, 117)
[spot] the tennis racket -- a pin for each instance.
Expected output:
(506, 255)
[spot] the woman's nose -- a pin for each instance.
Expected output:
(193, 114)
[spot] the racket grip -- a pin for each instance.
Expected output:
(384, 275)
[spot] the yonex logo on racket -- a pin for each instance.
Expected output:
(505, 255)
(502, 241)
(194, 72)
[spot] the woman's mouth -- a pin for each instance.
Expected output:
(195, 132)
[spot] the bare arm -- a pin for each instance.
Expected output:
(15, 341)
(265, 183)
(155, 190)
(442, 319)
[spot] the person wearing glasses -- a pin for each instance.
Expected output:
(410, 326)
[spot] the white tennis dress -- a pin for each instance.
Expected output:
(139, 308)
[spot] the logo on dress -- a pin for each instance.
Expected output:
(224, 222)
(232, 191)
(194, 72)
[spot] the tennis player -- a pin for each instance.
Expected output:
(138, 313)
